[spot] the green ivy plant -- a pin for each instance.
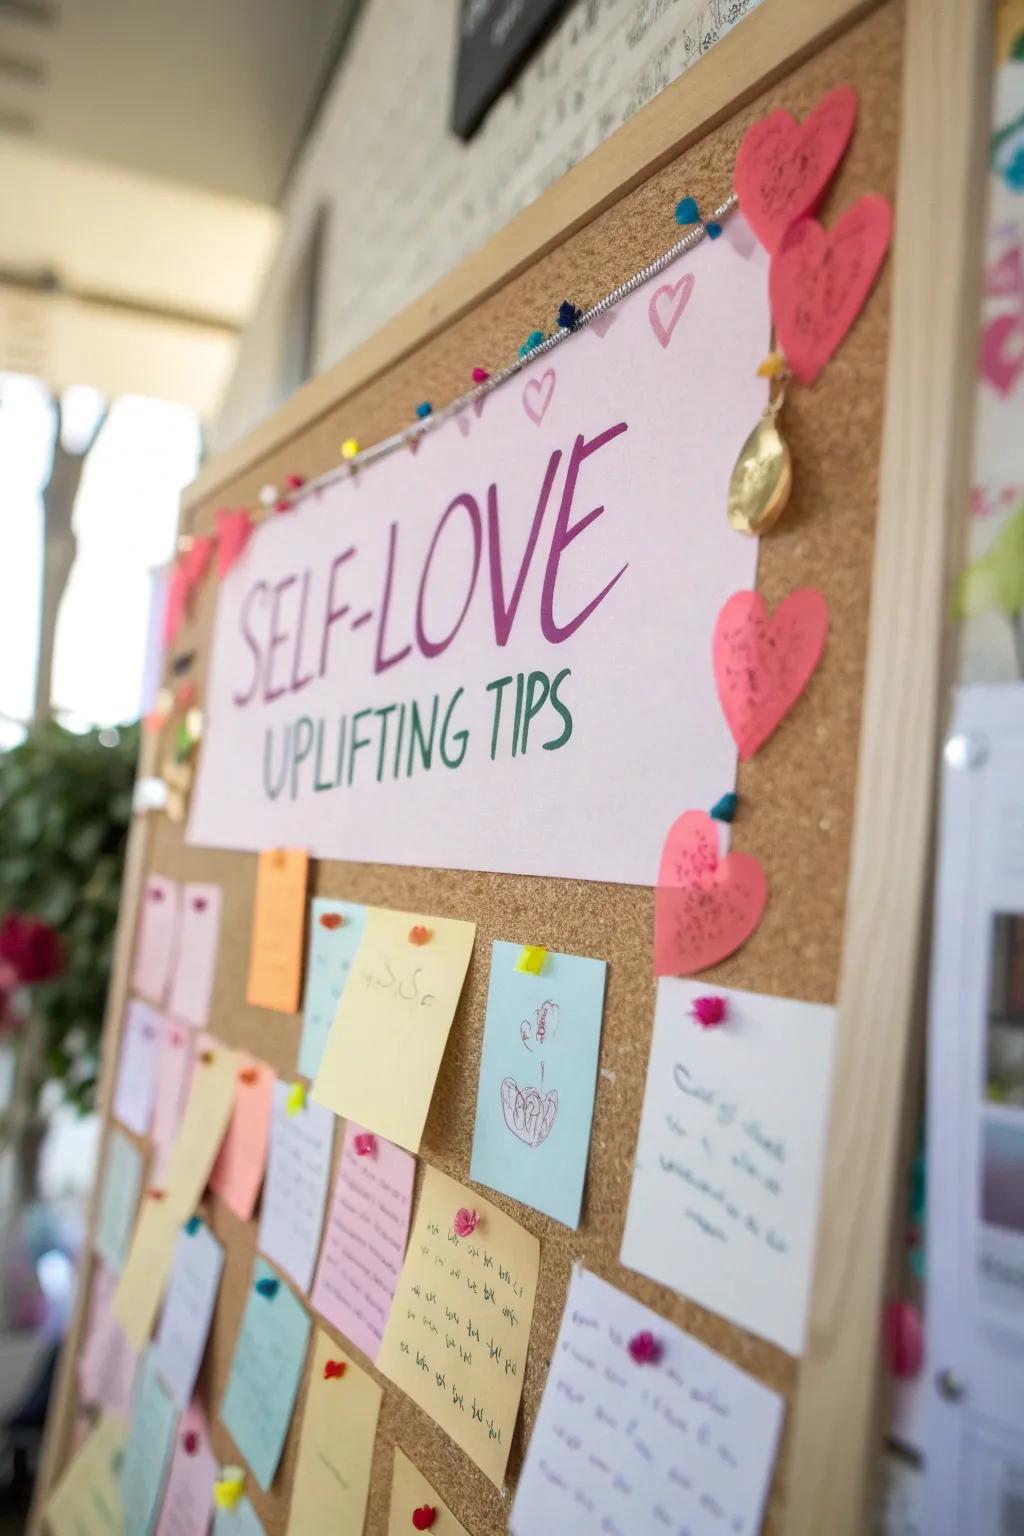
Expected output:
(65, 809)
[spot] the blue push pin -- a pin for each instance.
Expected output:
(725, 809)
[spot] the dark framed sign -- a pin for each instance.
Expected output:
(495, 39)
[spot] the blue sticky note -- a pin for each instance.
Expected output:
(538, 1073)
(147, 1451)
(335, 929)
(122, 1181)
(240, 1521)
(265, 1374)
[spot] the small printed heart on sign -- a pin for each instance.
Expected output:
(763, 662)
(602, 324)
(537, 396)
(666, 307)
(233, 532)
(705, 906)
(331, 920)
(783, 166)
(820, 279)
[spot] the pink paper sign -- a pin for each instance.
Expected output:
(158, 930)
(188, 1497)
(364, 1243)
(136, 1074)
(197, 955)
(238, 1172)
(173, 1078)
(495, 653)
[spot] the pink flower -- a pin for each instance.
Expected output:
(31, 947)
(645, 1348)
(709, 1011)
(465, 1222)
(365, 1144)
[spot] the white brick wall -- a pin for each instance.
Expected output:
(406, 199)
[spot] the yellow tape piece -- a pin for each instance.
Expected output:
(531, 959)
(296, 1099)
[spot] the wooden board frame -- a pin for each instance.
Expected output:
(922, 499)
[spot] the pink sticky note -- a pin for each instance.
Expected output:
(136, 1074)
(364, 1244)
(174, 1075)
(197, 955)
(158, 929)
(106, 1366)
(238, 1171)
(188, 1497)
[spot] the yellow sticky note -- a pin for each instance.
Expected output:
(459, 1328)
(87, 1499)
(385, 1046)
(409, 1491)
(210, 1102)
(144, 1277)
(278, 929)
(339, 1426)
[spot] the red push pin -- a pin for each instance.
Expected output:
(709, 1011)
(424, 1517)
(465, 1222)
(334, 1370)
(419, 935)
(191, 1443)
(645, 1348)
(365, 1144)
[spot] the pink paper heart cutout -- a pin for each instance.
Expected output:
(820, 279)
(783, 166)
(602, 324)
(705, 907)
(537, 396)
(233, 531)
(1002, 353)
(763, 664)
(667, 305)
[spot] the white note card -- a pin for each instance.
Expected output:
(295, 1188)
(188, 1309)
(684, 1444)
(724, 1203)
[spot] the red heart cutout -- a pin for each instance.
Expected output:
(820, 279)
(763, 664)
(233, 531)
(783, 166)
(705, 907)
(331, 920)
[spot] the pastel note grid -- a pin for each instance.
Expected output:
(188, 1309)
(240, 1521)
(238, 1171)
(265, 1374)
(684, 1444)
(364, 1241)
(159, 912)
(457, 1337)
(538, 1071)
(148, 1449)
(339, 1426)
(275, 960)
(730, 1155)
(410, 1491)
(87, 1499)
(173, 1079)
(122, 1181)
(335, 929)
(136, 1072)
(298, 1173)
(194, 1468)
(196, 964)
(385, 1046)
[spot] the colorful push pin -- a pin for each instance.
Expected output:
(268, 495)
(424, 409)
(206, 1058)
(480, 375)
(424, 1517)
(350, 448)
(712, 229)
(249, 1076)
(190, 1442)
(228, 1489)
(904, 1339)
(531, 959)
(194, 1225)
(709, 1011)
(185, 693)
(687, 211)
(568, 316)
(268, 1286)
(182, 662)
(419, 935)
(645, 1348)
(532, 341)
(725, 807)
(295, 482)
(157, 1194)
(296, 1099)
(334, 1370)
(365, 1144)
(772, 367)
(331, 920)
(465, 1222)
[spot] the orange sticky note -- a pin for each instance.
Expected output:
(238, 1172)
(278, 928)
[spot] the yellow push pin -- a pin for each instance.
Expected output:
(296, 1099)
(773, 366)
(349, 448)
(229, 1487)
(531, 959)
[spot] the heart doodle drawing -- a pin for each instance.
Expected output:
(529, 1114)
(667, 305)
(537, 396)
(783, 167)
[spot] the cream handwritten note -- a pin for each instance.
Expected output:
(459, 1328)
(339, 1426)
(727, 1182)
(364, 1242)
(136, 1071)
(385, 1047)
(188, 1308)
(87, 1499)
(411, 1491)
(278, 925)
(122, 1181)
(683, 1443)
(159, 912)
(196, 963)
(298, 1173)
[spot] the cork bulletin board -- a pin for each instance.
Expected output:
(805, 798)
